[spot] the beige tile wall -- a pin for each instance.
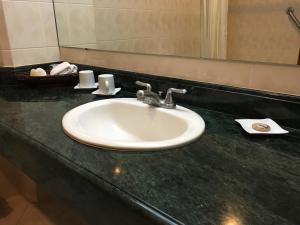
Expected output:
(151, 27)
(28, 37)
(155, 26)
(5, 57)
(262, 31)
(23, 202)
(76, 23)
(29, 30)
(273, 78)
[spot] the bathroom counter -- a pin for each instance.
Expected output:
(226, 177)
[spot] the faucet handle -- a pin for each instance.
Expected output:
(175, 90)
(148, 86)
(169, 102)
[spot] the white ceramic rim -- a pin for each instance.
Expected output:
(105, 75)
(86, 72)
(193, 132)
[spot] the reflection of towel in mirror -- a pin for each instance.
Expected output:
(64, 68)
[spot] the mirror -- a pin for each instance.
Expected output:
(244, 30)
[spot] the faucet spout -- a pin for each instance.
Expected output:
(151, 98)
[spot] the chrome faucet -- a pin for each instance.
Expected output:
(151, 98)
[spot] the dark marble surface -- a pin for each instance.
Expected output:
(285, 109)
(225, 177)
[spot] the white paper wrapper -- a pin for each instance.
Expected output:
(247, 126)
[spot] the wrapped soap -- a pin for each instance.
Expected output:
(39, 72)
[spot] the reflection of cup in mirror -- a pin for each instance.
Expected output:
(106, 83)
(86, 78)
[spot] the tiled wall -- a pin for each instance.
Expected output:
(28, 33)
(24, 202)
(265, 33)
(155, 26)
(273, 78)
(76, 23)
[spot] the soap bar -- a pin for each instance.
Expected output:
(39, 72)
(262, 127)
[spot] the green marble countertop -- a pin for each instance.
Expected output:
(225, 177)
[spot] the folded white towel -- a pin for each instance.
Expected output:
(39, 72)
(64, 68)
(60, 68)
(71, 69)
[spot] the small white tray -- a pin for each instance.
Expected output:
(99, 92)
(77, 87)
(247, 126)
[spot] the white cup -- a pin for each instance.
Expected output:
(86, 78)
(106, 83)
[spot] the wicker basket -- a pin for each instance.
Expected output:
(25, 78)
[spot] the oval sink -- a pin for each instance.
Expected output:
(128, 124)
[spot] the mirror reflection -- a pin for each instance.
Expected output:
(247, 30)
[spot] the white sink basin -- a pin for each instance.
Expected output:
(127, 124)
